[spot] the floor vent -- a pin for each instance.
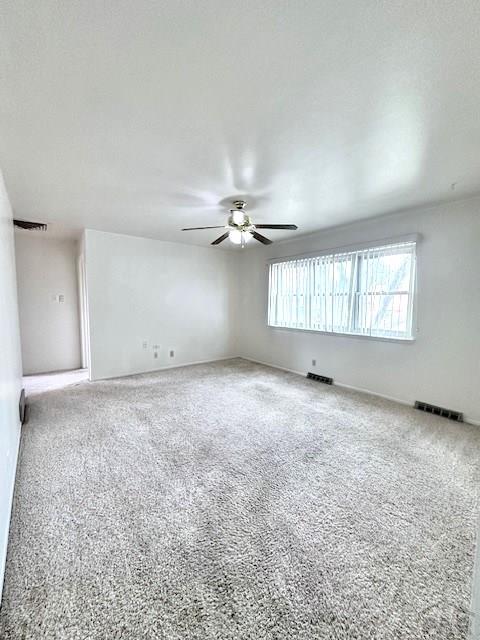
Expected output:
(439, 411)
(315, 376)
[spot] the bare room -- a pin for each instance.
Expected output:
(239, 320)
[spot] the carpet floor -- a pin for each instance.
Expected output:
(234, 501)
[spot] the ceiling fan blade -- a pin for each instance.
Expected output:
(291, 227)
(196, 228)
(221, 238)
(261, 238)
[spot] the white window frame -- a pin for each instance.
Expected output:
(348, 249)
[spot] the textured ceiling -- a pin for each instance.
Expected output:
(140, 117)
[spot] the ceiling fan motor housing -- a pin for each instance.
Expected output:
(242, 224)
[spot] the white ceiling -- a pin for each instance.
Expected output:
(139, 117)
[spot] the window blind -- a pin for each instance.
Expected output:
(365, 292)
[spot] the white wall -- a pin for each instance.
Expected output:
(83, 304)
(442, 366)
(10, 373)
(177, 296)
(50, 330)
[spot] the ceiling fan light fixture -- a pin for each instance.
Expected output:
(238, 217)
(235, 236)
(239, 237)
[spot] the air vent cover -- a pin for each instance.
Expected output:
(318, 378)
(23, 407)
(439, 411)
(31, 226)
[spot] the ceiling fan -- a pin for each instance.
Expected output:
(240, 228)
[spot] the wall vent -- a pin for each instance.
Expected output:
(23, 407)
(318, 378)
(31, 226)
(439, 411)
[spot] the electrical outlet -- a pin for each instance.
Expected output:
(144, 345)
(172, 353)
(314, 363)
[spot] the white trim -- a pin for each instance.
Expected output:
(474, 626)
(475, 423)
(358, 246)
(166, 367)
(362, 336)
(374, 393)
(274, 366)
(3, 552)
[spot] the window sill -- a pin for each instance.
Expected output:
(345, 335)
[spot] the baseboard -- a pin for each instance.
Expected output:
(407, 403)
(164, 368)
(374, 393)
(3, 550)
(474, 628)
(49, 373)
(274, 366)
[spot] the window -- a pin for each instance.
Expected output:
(368, 292)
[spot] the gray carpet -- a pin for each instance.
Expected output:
(231, 500)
